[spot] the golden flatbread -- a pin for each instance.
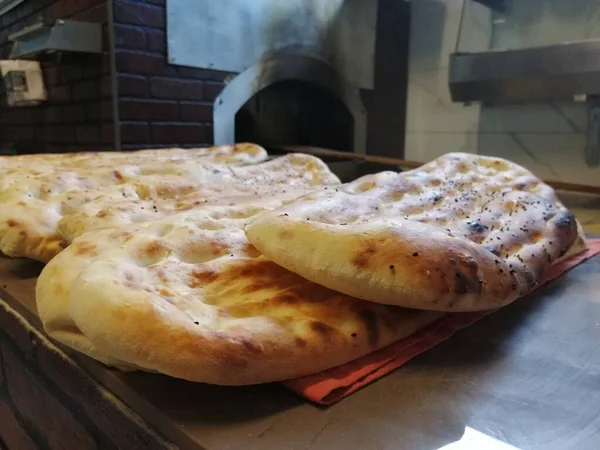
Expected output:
(189, 297)
(462, 233)
(32, 206)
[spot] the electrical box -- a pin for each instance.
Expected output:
(23, 81)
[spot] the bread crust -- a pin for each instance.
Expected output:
(188, 296)
(462, 233)
(32, 206)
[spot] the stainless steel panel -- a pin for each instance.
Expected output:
(232, 35)
(558, 72)
(64, 35)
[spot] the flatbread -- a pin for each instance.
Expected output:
(241, 153)
(189, 297)
(23, 169)
(265, 180)
(30, 210)
(462, 233)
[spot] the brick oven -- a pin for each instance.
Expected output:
(135, 94)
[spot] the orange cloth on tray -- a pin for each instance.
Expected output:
(332, 385)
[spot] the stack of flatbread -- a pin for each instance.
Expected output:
(223, 266)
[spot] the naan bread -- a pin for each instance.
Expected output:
(462, 233)
(189, 297)
(242, 153)
(266, 180)
(31, 210)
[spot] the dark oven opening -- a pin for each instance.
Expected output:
(295, 113)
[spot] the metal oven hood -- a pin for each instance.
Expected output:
(62, 36)
(553, 73)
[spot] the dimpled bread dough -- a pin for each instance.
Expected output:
(461, 233)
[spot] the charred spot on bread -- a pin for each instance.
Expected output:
(493, 250)
(564, 220)
(321, 328)
(85, 248)
(461, 285)
(301, 343)
(200, 277)
(362, 259)
(251, 346)
(369, 319)
(475, 226)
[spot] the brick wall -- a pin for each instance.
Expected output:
(78, 113)
(47, 402)
(159, 104)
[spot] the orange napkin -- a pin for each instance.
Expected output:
(332, 385)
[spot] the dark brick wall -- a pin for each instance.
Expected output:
(159, 104)
(78, 113)
(47, 402)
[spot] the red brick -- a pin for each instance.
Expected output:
(88, 134)
(40, 133)
(55, 148)
(209, 132)
(3, 35)
(57, 424)
(201, 74)
(129, 37)
(139, 14)
(130, 61)
(70, 72)
(59, 94)
(99, 111)
(62, 134)
(32, 115)
(178, 133)
(132, 86)
(73, 113)
(16, 26)
(24, 133)
(72, 8)
(106, 87)
(25, 10)
(86, 90)
(50, 75)
(157, 40)
(11, 432)
(135, 132)
(96, 65)
(96, 14)
(196, 112)
(9, 18)
(108, 134)
(141, 109)
(212, 89)
(172, 88)
(52, 114)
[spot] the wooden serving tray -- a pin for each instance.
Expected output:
(527, 375)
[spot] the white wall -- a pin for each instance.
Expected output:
(547, 138)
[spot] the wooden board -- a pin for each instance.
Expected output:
(527, 374)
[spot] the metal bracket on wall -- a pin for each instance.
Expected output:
(62, 36)
(565, 72)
